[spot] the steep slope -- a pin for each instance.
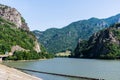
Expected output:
(15, 35)
(12, 15)
(113, 20)
(103, 44)
(11, 36)
(66, 38)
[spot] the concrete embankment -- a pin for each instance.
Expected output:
(64, 75)
(7, 73)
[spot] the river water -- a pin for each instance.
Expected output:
(101, 69)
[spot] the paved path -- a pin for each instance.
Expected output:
(7, 73)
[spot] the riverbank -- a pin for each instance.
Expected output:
(7, 73)
(23, 60)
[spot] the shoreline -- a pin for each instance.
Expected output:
(9, 73)
(22, 60)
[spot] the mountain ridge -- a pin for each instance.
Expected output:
(103, 44)
(66, 38)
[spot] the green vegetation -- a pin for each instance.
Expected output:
(104, 45)
(11, 36)
(22, 19)
(20, 55)
(59, 40)
(81, 46)
(114, 52)
(66, 38)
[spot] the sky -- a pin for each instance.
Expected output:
(44, 14)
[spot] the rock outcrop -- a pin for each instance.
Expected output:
(14, 16)
(10, 16)
(37, 46)
(103, 44)
(16, 48)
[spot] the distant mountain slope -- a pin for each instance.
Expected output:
(66, 38)
(103, 44)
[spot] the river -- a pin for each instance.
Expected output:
(101, 69)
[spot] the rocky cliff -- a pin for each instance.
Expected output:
(14, 27)
(12, 15)
(103, 44)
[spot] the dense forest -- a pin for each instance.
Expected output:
(10, 36)
(59, 40)
(104, 44)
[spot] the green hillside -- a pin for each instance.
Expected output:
(59, 40)
(103, 44)
(11, 36)
(66, 38)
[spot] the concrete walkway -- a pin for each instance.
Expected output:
(7, 73)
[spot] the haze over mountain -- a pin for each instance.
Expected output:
(58, 40)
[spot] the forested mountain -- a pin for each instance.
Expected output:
(103, 44)
(66, 38)
(16, 40)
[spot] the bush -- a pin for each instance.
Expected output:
(31, 55)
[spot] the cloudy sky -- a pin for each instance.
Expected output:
(44, 14)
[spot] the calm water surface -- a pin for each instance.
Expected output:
(101, 69)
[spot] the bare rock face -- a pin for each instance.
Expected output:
(37, 46)
(103, 44)
(16, 48)
(97, 43)
(14, 16)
